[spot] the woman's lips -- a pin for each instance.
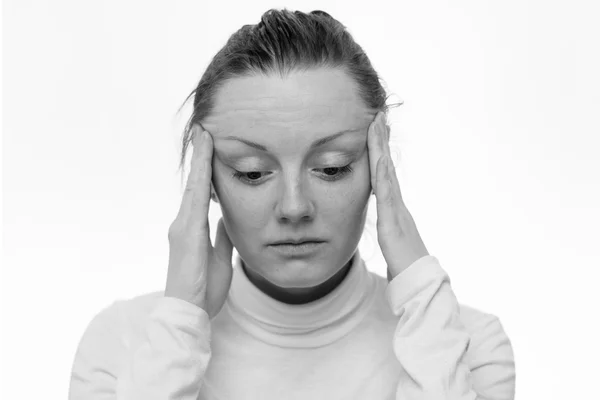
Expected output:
(302, 249)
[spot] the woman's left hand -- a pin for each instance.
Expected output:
(397, 233)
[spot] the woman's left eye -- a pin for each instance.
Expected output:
(342, 171)
(330, 173)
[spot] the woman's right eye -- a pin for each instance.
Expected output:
(250, 177)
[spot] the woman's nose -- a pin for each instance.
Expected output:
(295, 202)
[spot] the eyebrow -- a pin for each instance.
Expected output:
(314, 145)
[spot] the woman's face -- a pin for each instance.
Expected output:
(290, 188)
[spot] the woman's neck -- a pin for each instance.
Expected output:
(297, 295)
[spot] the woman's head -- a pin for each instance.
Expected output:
(280, 87)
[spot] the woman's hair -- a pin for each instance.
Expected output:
(281, 42)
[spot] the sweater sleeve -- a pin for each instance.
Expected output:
(431, 342)
(167, 362)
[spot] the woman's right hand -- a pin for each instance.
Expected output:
(199, 273)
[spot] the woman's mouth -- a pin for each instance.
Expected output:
(297, 250)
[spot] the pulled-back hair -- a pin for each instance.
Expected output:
(281, 42)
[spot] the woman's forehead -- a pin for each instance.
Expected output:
(319, 100)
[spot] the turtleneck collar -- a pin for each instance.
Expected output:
(313, 324)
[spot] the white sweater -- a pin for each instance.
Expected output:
(368, 339)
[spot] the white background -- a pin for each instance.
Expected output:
(496, 150)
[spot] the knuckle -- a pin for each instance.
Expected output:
(171, 235)
(387, 199)
(175, 230)
(196, 202)
(190, 188)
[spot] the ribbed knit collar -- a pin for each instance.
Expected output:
(314, 324)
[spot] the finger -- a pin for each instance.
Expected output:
(395, 183)
(385, 201)
(383, 135)
(223, 245)
(384, 191)
(196, 197)
(375, 150)
(220, 274)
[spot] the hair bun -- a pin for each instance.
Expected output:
(319, 12)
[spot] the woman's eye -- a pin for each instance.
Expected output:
(248, 177)
(335, 173)
(329, 174)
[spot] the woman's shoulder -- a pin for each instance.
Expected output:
(142, 304)
(473, 318)
(135, 310)
(119, 319)
(111, 332)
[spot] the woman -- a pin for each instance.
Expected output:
(289, 138)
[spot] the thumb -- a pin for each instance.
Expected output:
(220, 274)
(223, 245)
